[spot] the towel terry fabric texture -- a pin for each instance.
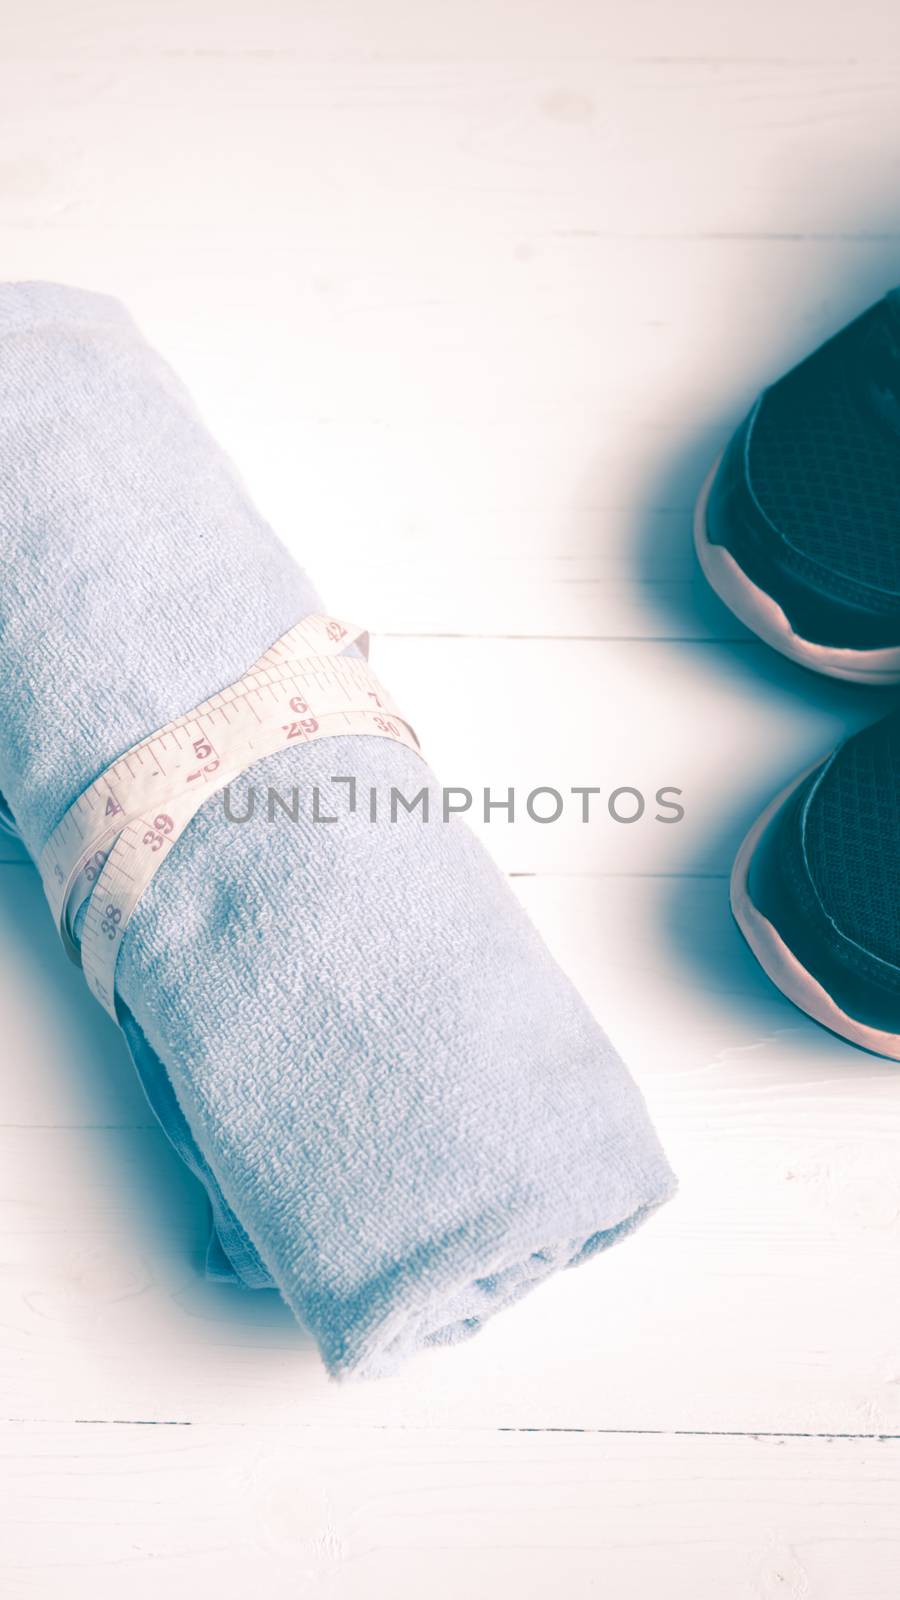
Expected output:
(401, 1110)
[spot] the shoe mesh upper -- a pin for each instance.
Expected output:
(852, 840)
(825, 466)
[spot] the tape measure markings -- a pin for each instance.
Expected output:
(62, 850)
(111, 841)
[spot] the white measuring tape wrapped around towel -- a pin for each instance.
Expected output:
(111, 841)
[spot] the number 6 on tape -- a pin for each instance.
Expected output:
(111, 841)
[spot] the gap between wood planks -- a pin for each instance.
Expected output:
(390, 1427)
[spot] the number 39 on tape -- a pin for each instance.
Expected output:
(113, 839)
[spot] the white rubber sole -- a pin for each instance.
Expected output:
(779, 962)
(759, 612)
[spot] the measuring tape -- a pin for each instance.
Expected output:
(112, 840)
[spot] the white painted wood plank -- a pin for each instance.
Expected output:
(348, 1514)
(496, 314)
(474, 30)
(575, 422)
(547, 138)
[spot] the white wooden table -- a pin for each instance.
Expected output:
(474, 293)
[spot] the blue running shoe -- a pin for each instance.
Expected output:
(798, 525)
(815, 890)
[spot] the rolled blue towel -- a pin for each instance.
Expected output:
(402, 1112)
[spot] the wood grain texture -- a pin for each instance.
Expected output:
(475, 294)
(351, 1512)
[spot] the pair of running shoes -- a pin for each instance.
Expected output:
(797, 529)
